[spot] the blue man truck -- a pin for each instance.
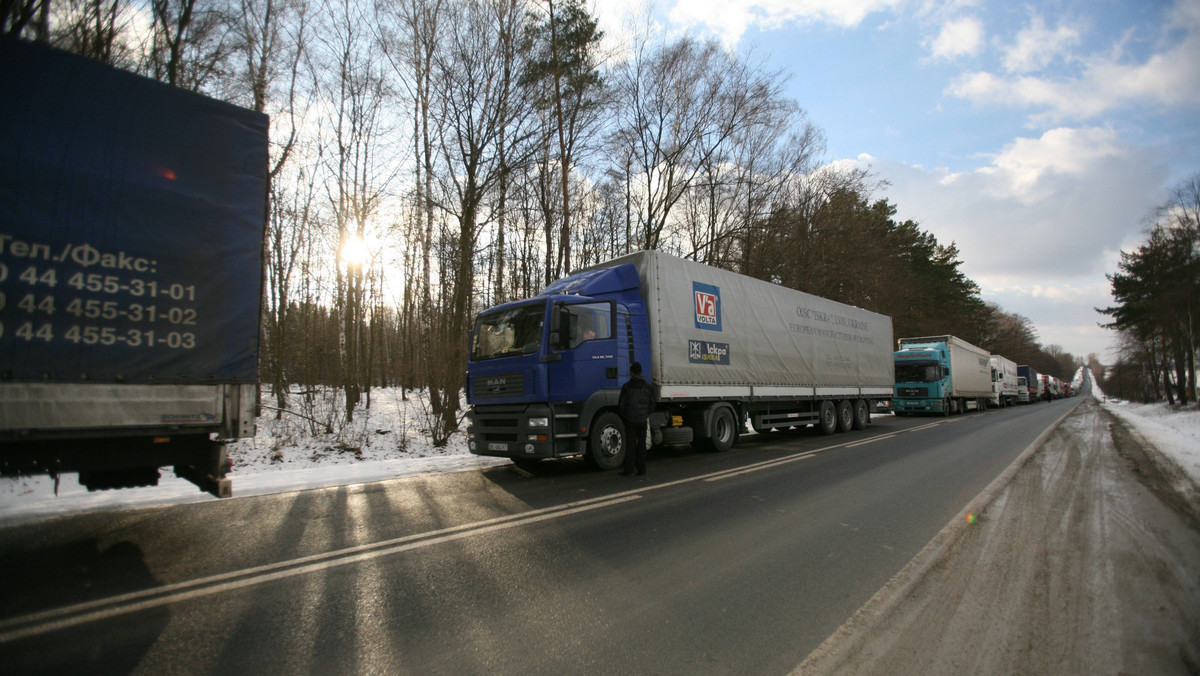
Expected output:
(131, 224)
(544, 374)
(941, 375)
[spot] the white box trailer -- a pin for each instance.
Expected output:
(782, 357)
(1005, 391)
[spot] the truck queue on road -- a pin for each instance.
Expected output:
(725, 350)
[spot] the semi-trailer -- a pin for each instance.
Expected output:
(940, 375)
(1033, 381)
(1004, 381)
(131, 225)
(544, 374)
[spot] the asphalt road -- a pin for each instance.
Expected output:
(742, 562)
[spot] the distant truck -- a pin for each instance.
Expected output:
(1033, 381)
(940, 375)
(1053, 387)
(544, 373)
(1004, 381)
(1022, 390)
(131, 225)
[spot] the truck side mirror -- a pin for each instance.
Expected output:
(560, 331)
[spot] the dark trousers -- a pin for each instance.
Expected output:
(635, 446)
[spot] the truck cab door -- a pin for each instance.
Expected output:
(585, 351)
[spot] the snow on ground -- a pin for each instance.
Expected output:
(1174, 431)
(391, 439)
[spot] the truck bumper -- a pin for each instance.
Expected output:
(918, 405)
(522, 431)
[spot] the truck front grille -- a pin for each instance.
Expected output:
(501, 385)
(913, 392)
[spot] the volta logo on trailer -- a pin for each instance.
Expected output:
(707, 300)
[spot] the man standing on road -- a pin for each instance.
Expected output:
(637, 400)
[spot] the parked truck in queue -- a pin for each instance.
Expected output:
(131, 225)
(1005, 390)
(544, 374)
(940, 375)
(1033, 383)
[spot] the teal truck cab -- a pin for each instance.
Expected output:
(940, 375)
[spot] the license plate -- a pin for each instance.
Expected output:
(497, 446)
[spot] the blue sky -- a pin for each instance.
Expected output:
(1039, 137)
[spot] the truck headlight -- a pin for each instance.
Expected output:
(539, 422)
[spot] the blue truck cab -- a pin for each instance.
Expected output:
(544, 374)
(922, 379)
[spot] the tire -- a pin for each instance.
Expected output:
(606, 442)
(676, 436)
(722, 430)
(845, 416)
(862, 414)
(828, 421)
(946, 404)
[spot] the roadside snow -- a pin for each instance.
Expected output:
(387, 441)
(1175, 432)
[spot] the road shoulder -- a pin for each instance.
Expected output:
(1068, 563)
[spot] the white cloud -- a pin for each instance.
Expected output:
(1037, 46)
(729, 19)
(1106, 81)
(958, 37)
(1038, 227)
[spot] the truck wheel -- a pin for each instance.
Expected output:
(722, 430)
(606, 442)
(845, 416)
(862, 414)
(946, 404)
(829, 419)
(676, 436)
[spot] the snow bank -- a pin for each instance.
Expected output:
(390, 439)
(1174, 431)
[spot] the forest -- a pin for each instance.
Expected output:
(431, 158)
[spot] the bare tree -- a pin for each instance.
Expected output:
(18, 16)
(478, 110)
(97, 29)
(680, 104)
(189, 45)
(360, 169)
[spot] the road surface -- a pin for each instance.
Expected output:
(743, 562)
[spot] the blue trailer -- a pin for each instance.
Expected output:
(544, 374)
(131, 223)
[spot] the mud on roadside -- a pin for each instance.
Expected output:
(1084, 558)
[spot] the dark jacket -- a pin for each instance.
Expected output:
(638, 399)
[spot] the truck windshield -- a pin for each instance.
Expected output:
(918, 371)
(508, 332)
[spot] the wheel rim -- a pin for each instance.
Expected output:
(610, 442)
(723, 428)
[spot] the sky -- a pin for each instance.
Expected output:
(1038, 137)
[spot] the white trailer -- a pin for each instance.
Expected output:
(1004, 381)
